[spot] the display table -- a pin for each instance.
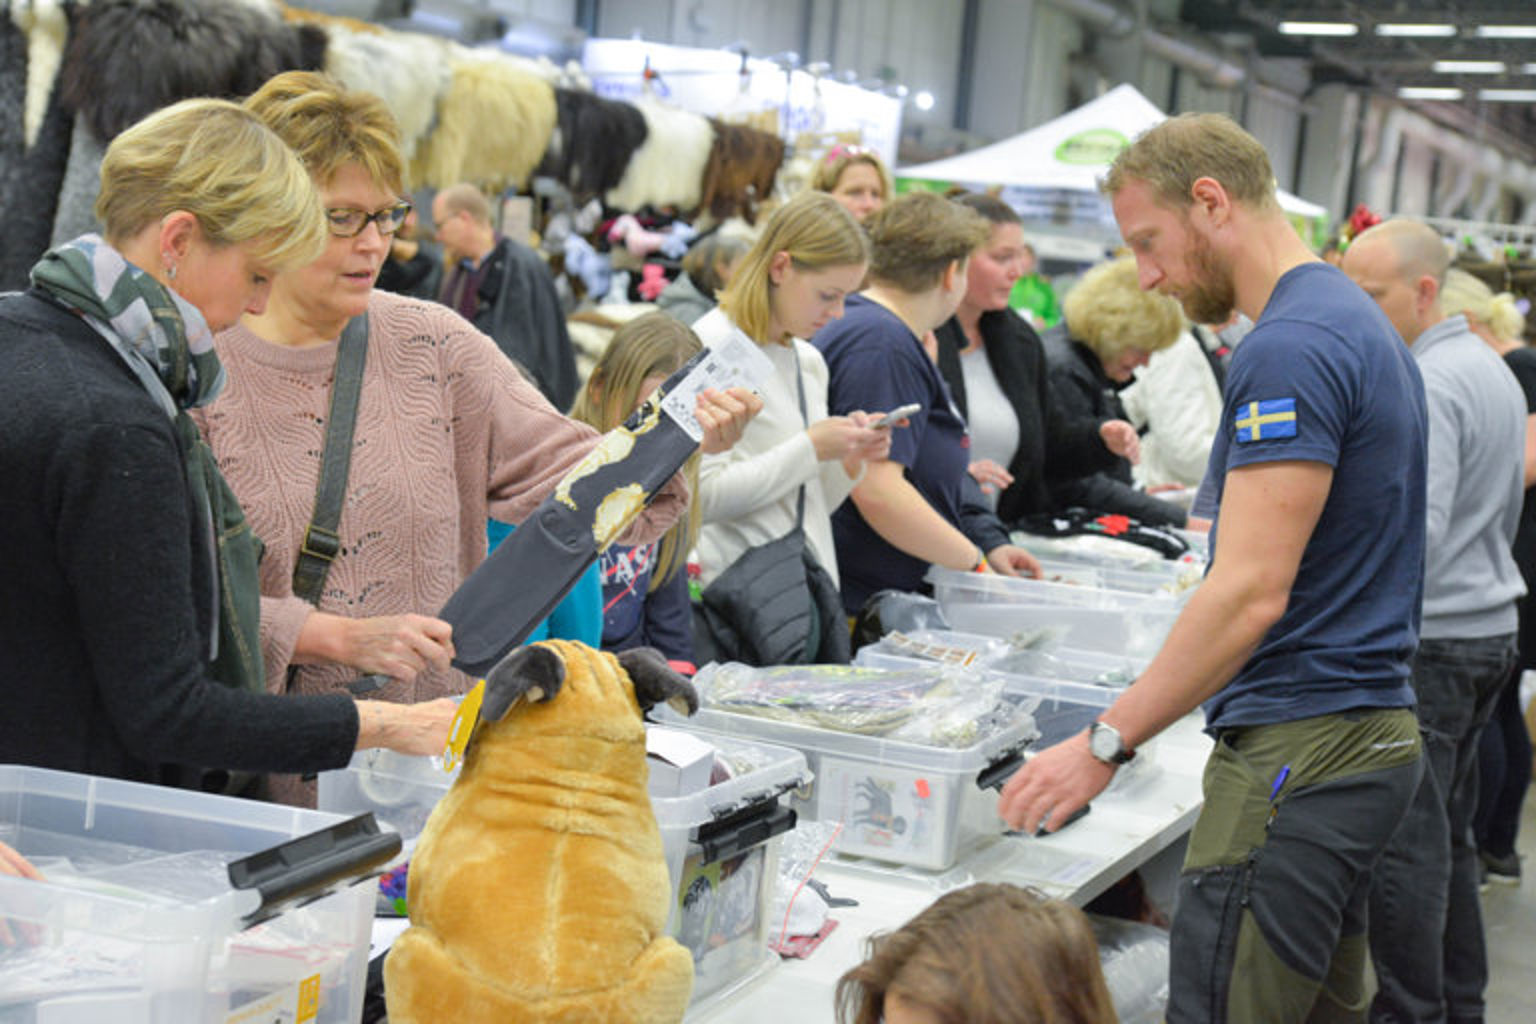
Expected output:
(1127, 827)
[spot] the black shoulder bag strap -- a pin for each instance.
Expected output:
(321, 542)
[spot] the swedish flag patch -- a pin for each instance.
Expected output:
(1268, 420)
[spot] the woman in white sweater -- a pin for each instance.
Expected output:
(810, 256)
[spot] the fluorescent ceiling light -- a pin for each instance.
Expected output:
(1528, 69)
(1318, 28)
(1469, 67)
(1507, 95)
(1416, 31)
(1426, 92)
(1507, 31)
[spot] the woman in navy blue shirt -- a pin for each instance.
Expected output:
(911, 509)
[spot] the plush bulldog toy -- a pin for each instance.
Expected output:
(538, 891)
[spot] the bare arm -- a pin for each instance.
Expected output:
(903, 517)
(1268, 513)
(420, 729)
(1530, 450)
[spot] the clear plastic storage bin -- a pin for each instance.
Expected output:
(1066, 690)
(721, 844)
(899, 803)
(399, 789)
(138, 921)
(1068, 664)
(1054, 614)
(722, 851)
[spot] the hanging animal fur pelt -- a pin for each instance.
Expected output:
(493, 123)
(408, 72)
(741, 169)
(668, 169)
(34, 131)
(593, 142)
(76, 213)
(129, 57)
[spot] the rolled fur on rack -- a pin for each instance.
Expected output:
(76, 213)
(128, 57)
(593, 142)
(408, 72)
(742, 166)
(46, 27)
(668, 169)
(493, 124)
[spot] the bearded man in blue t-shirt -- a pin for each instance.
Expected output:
(1298, 643)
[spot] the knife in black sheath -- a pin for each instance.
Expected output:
(516, 588)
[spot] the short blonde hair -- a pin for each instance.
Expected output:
(1469, 294)
(1107, 311)
(1170, 156)
(829, 170)
(816, 232)
(330, 126)
(219, 163)
(917, 236)
(466, 198)
(643, 347)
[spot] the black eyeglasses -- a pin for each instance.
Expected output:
(349, 223)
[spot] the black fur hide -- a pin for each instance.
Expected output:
(127, 58)
(593, 142)
(29, 178)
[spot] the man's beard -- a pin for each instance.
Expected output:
(1210, 296)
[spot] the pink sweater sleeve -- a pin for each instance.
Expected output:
(501, 418)
(448, 433)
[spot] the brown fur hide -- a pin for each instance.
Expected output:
(739, 175)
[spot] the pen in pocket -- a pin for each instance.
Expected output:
(1274, 790)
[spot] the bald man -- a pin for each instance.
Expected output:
(1425, 927)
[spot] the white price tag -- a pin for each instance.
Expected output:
(735, 362)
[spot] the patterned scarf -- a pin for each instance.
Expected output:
(161, 336)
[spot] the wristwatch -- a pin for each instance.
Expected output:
(1106, 744)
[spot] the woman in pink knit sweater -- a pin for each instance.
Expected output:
(447, 431)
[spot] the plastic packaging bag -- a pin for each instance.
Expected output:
(1135, 961)
(936, 706)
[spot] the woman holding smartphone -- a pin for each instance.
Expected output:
(913, 509)
(810, 256)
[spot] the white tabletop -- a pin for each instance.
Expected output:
(1128, 825)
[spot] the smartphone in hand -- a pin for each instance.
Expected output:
(895, 416)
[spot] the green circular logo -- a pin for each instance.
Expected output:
(1095, 146)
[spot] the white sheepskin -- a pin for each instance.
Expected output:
(494, 123)
(668, 168)
(46, 28)
(409, 72)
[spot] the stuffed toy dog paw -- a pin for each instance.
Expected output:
(538, 890)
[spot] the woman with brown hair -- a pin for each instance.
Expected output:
(986, 954)
(447, 432)
(994, 364)
(910, 510)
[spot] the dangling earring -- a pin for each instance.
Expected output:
(170, 271)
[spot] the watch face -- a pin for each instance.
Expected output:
(1104, 743)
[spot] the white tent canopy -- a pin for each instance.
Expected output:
(1072, 152)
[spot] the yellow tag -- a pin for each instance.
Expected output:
(309, 1000)
(463, 727)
